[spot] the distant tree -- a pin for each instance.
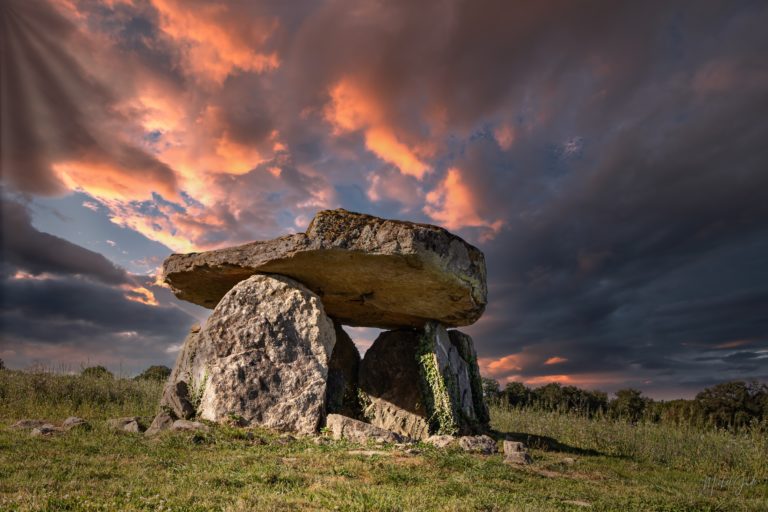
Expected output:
(550, 397)
(491, 391)
(2, 364)
(96, 372)
(629, 404)
(516, 394)
(733, 404)
(155, 372)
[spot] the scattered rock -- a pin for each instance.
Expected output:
(189, 426)
(369, 271)
(46, 430)
(163, 421)
(356, 431)
(128, 424)
(441, 441)
(75, 423)
(569, 461)
(321, 440)
(417, 383)
(515, 453)
(27, 424)
(343, 369)
(411, 451)
(478, 444)
(262, 355)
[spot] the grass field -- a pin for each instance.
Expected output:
(578, 464)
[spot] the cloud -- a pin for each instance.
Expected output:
(64, 304)
(25, 248)
(453, 205)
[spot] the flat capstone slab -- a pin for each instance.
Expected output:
(368, 271)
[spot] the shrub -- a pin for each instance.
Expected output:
(155, 372)
(97, 372)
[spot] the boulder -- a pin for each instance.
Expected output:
(478, 444)
(176, 398)
(416, 383)
(515, 453)
(389, 385)
(262, 357)
(368, 271)
(466, 349)
(356, 431)
(189, 426)
(441, 441)
(46, 430)
(129, 424)
(163, 421)
(27, 424)
(343, 369)
(75, 423)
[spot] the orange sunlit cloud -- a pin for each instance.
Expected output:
(139, 294)
(453, 205)
(505, 136)
(212, 46)
(555, 360)
(352, 109)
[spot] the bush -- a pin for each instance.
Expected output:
(2, 364)
(155, 372)
(97, 372)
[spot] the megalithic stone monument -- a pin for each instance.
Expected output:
(273, 352)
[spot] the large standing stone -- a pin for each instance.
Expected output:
(343, 370)
(262, 357)
(368, 271)
(417, 383)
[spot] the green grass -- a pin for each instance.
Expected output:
(617, 466)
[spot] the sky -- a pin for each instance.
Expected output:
(609, 158)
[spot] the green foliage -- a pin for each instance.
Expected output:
(439, 403)
(96, 372)
(2, 364)
(629, 405)
(491, 391)
(196, 391)
(734, 404)
(155, 372)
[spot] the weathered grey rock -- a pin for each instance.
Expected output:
(262, 356)
(356, 431)
(390, 385)
(163, 421)
(27, 424)
(368, 271)
(466, 349)
(478, 444)
(515, 453)
(129, 424)
(176, 394)
(189, 426)
(46, 429)
(416, 383)
(343, 369)
(441, 441)
(75, 423)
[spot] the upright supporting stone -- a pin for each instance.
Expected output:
(343, 369)
(262, 358)
(420, 382)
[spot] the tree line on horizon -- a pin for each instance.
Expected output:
(730, 405)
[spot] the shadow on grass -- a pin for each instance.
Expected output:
(545, 443)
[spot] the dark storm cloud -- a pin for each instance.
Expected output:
(64, 304)
(25, 248)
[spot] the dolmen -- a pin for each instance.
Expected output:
(273, 353)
